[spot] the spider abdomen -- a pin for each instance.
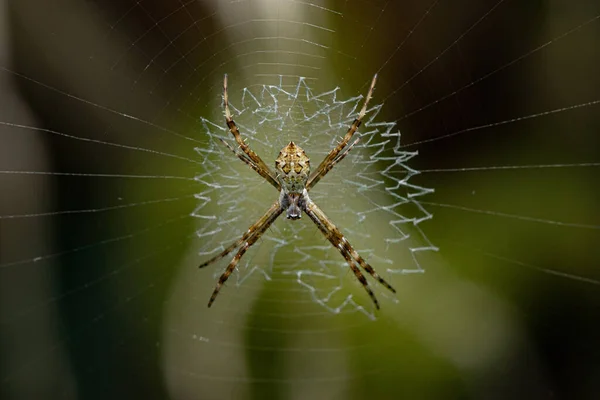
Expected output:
(293, 167)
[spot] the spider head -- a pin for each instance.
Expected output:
(293, 168)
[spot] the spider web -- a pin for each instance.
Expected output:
(114, 187)
(376, 171)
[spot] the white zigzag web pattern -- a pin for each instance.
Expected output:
(375, 175)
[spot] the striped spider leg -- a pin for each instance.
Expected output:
(293, 181)
(332, 158)
(337, 239)
(250, 158)
(248, 239)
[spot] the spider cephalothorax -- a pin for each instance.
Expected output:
(293, 180)
(293, 168)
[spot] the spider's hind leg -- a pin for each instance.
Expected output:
(248, 239)
(361, 278)
(234, 262)
(337, 239)
(224, 252)
(361, 261)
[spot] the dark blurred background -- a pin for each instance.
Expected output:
(507, 308)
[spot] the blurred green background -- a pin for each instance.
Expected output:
(109, 303)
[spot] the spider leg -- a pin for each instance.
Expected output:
(337, 239)
(366, 266)
(248, 239)
(361, 278)
(323, 168)
(256, 226)
(252, 165)
(323, 171)
(260, 164)
(343, 154)
(228, 271)
(228, 250)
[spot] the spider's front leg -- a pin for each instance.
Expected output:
(264, 173)
(337, 239)
(334, 155)
(253, 159)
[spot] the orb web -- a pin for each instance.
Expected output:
(368, 195)
(115, 187)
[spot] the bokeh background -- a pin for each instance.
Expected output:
(100, 294)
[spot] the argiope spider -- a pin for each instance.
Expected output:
(293, 181)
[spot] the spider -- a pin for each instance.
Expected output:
(293, 180)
